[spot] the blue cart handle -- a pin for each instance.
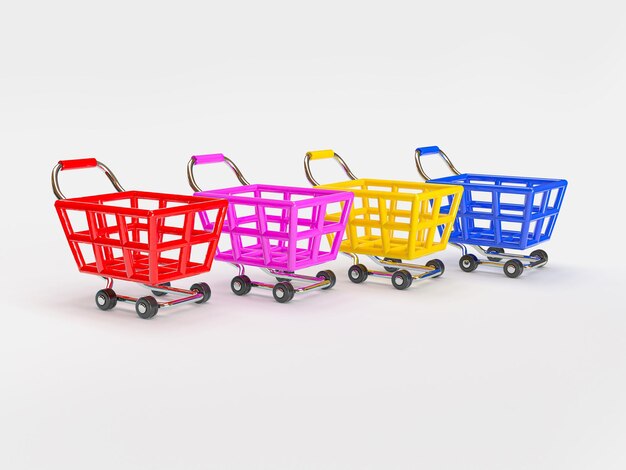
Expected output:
(212, 158)
(432, 150)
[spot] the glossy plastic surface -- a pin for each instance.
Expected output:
(209, 158)
(398, 219)
(427, 150)
(78, 163)
(321, 154)
(280, 227)
(504, 211)
(141, 236)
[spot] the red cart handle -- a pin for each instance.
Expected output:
(79, 164)
(212, 158)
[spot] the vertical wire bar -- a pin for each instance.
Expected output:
(366, 212)
(412, 233)
(97, 249)
(127, 255)
(383, 219)
(543, 207)
(433, 228)
(101, 228)
(185, 251)
(352, 226)
(153, 253)
(496, 215)
(526, 220)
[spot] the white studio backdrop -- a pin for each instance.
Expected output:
(467, 371)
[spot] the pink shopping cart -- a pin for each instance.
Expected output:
(278, 229)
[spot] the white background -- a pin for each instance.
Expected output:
(469, 371)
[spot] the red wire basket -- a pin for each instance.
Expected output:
(141, 236)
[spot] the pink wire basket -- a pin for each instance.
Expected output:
(277, 228)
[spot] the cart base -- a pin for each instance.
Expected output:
(284, 290)
(147, 307)
(512, 264)
(401, 274)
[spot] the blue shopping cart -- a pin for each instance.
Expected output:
(501, 213)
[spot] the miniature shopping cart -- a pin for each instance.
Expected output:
(278, 229)
(141, 237)
(500, 212)
(392, 221)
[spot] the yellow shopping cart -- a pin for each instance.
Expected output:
(391, 221)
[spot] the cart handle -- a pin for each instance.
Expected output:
(212, 158)
(79, 164)
(429, 151)
(323, 155)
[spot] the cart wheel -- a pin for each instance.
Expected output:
(283, 292)
(358, 273)
(329, 276)
(204, 289)
(468, 263)
(159, 293)
(437, 264)
(513, 268)
(402, 279)
(146, 307)
(106, 299)
(542, 255)
(494, 249)
(391, 270)
(241, 285)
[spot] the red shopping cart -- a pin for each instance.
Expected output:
(138, 236)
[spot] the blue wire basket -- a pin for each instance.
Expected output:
(505, 211)
(500, 212)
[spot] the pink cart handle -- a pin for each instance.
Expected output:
(210, 158)
(78, 163)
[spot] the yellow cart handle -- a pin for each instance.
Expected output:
(323, 155)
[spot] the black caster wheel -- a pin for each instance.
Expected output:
(493, 249)
(513, 268)
(542, 255)
(329, 276)
(283, 292)
(389, 269)
(437, 264)
(146, 307)
(402, 279)
(468, 263)
(358, 273)
(106, 299)
(159, 293)
(204, 289)
(241, 285)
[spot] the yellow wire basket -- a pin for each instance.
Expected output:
(391, 220)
